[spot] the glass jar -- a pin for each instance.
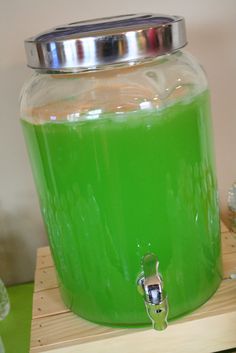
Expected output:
(116, 119)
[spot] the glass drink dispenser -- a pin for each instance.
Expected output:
(116, 119)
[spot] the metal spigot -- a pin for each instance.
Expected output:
(150, 286)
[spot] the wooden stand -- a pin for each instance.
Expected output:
(211, 328)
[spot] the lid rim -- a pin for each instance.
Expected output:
(73, 69)
(79, 50)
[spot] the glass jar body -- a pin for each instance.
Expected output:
(123, 164)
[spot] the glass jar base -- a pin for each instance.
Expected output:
(67, 299)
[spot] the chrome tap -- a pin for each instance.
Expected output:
(150, 286)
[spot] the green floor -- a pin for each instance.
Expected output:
(15, 329)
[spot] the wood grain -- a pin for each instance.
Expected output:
(45, 278)
(206, 335)
(48, 302)
(228, 242)
(44, 258)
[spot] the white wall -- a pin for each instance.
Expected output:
(211, 28)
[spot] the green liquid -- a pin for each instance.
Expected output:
(115, 188)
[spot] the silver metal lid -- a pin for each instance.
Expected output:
(106, 41)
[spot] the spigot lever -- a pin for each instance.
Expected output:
(150, 286)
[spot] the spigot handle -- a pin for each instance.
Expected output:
(150, 265)
(150, 286)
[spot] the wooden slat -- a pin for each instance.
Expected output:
(60, 329)
(45, 278)
(228, 242)
(206, 335)
(43, 251)
(48, 302)
(44, 258)
(56, 330)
